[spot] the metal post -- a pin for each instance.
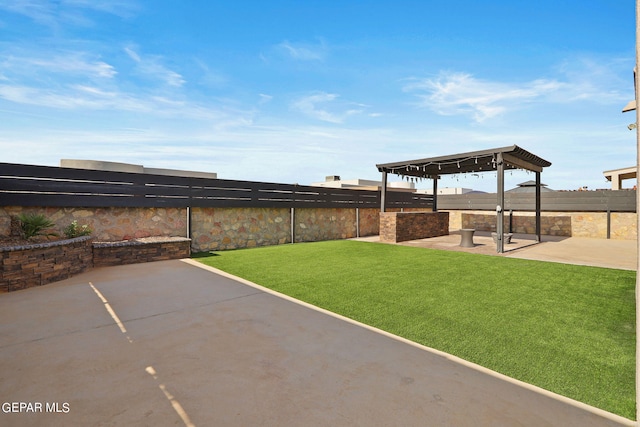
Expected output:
(293, 225)
(383, 192)
(435, 193)
(188, 222)
(510, 221)
(189, 210)
(500, 206)
(538, 208)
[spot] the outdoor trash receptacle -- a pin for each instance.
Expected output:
(466, 240)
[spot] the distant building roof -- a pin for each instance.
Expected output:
(449, 190)
(131, 168)
(334, 181)
(529, 187)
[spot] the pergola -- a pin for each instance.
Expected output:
(496, 159)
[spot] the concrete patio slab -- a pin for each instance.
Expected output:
(178, 343)
(607, 253)
(619, 254)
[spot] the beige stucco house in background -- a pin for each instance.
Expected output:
(616, 176)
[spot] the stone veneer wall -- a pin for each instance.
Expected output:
(581, 224)
(42, 263)
(402, 226)
(108, 224)
(211, 228)
(369, 221)
(233, 228)
(140, 250)
(313, 225)
(549, 225)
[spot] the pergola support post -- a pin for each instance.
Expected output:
(500, 206)
(636, 84)
(383, 193)
(538, 208)
(435, 194)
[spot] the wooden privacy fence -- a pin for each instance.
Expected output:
(557, 201)
(29, 185)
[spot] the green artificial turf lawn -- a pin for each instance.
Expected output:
(568, 329)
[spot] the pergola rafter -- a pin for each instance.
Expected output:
(496, 159)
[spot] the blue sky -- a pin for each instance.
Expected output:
(293, 91)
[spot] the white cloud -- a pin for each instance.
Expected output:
(457, 93)
(210, 78)
(41, 11)
(264, 98)
(72, 97)
(151, 66)
(132, 54)
(461, 93)
(77, 80)
(304, 52)
(87, 98)
(308, 106)
(316, 107)
(73, 63)
(595, 79)
(55, 13)
(122, 8)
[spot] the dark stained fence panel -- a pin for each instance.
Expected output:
(28, 185)
(561, 201)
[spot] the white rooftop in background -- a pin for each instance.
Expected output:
(132, 168)
(334, 181)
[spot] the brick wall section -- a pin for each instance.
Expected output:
(137, 251)
(39, 264)
(388, 227)
(403, 226)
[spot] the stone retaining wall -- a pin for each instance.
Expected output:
(135, 251)
(38, 264)
(108, 224)
(42, 263)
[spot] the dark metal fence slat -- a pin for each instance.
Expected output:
(31, 185)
